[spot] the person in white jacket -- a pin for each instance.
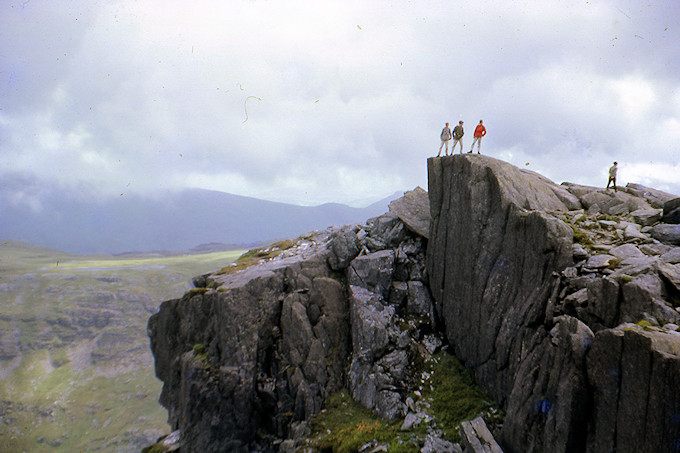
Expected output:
(612, 176)
(446, 139)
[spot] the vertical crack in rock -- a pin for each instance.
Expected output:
(520, 302)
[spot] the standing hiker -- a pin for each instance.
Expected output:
(458, 137)
(480, 131)
(446, 138)
(612, 176)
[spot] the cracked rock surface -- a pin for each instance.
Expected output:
(532, 281)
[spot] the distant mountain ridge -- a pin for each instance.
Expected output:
(168, 221)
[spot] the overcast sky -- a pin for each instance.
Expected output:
(315, 101)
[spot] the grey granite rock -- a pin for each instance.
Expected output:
(654, 197)
(646, 217)
(476, 437)
(580, 253)
(434, 444)
(491, 257)
(548, 406)
(671, 272)
(414, 210)
(344, 246)
(671, 211)
(599, 261)
(387, 229)
(667, 234)
(419, 301)
(646, 294)
(655, 248)
(671, 256)
(373, 272)
(388, 405)
(626, 251)
(632, 371)
(410, 421)
(672, 217)
(632, 232)
(252, 356)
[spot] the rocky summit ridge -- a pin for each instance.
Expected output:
(563, 302)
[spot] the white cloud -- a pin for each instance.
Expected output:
(315, 101)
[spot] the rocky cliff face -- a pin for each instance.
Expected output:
(546, 324)
(563, 301)
(248, 357)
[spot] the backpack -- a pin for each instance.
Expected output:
(446, 134)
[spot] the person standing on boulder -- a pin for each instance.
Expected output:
(480, 131)
(446, 139)
(458, 137)
(612, 176)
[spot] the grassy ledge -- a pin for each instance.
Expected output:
(447, 394)
(255, 256)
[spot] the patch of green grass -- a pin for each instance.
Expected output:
(78, 384)
(195, 292)
(580, 237)
(254, 256)
(155, 448)
(200, 352)
(345, 425)
(611, 218)
(66, 411)
(614, 263)
(453, 395)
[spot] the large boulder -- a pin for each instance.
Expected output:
(521, 313)
(414, 210)
(666, 233)
(611, 202)
(654, 197)
(635, 376)
(373, 272)
(250, 355)
(491, 258)
(379, 362)
(671, 211)
(646, 217)
(255, 356)
(549, 402)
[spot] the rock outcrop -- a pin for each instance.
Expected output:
(563, 301)
(527, 309)
(248, 357)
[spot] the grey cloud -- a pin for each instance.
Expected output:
(113, 96)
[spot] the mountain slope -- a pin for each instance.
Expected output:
(168, 221)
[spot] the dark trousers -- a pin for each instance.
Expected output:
(612, 179)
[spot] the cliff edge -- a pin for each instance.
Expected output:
(531, 312)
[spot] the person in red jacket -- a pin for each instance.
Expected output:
(480, 131)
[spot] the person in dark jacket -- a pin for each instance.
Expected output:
(458, 137)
